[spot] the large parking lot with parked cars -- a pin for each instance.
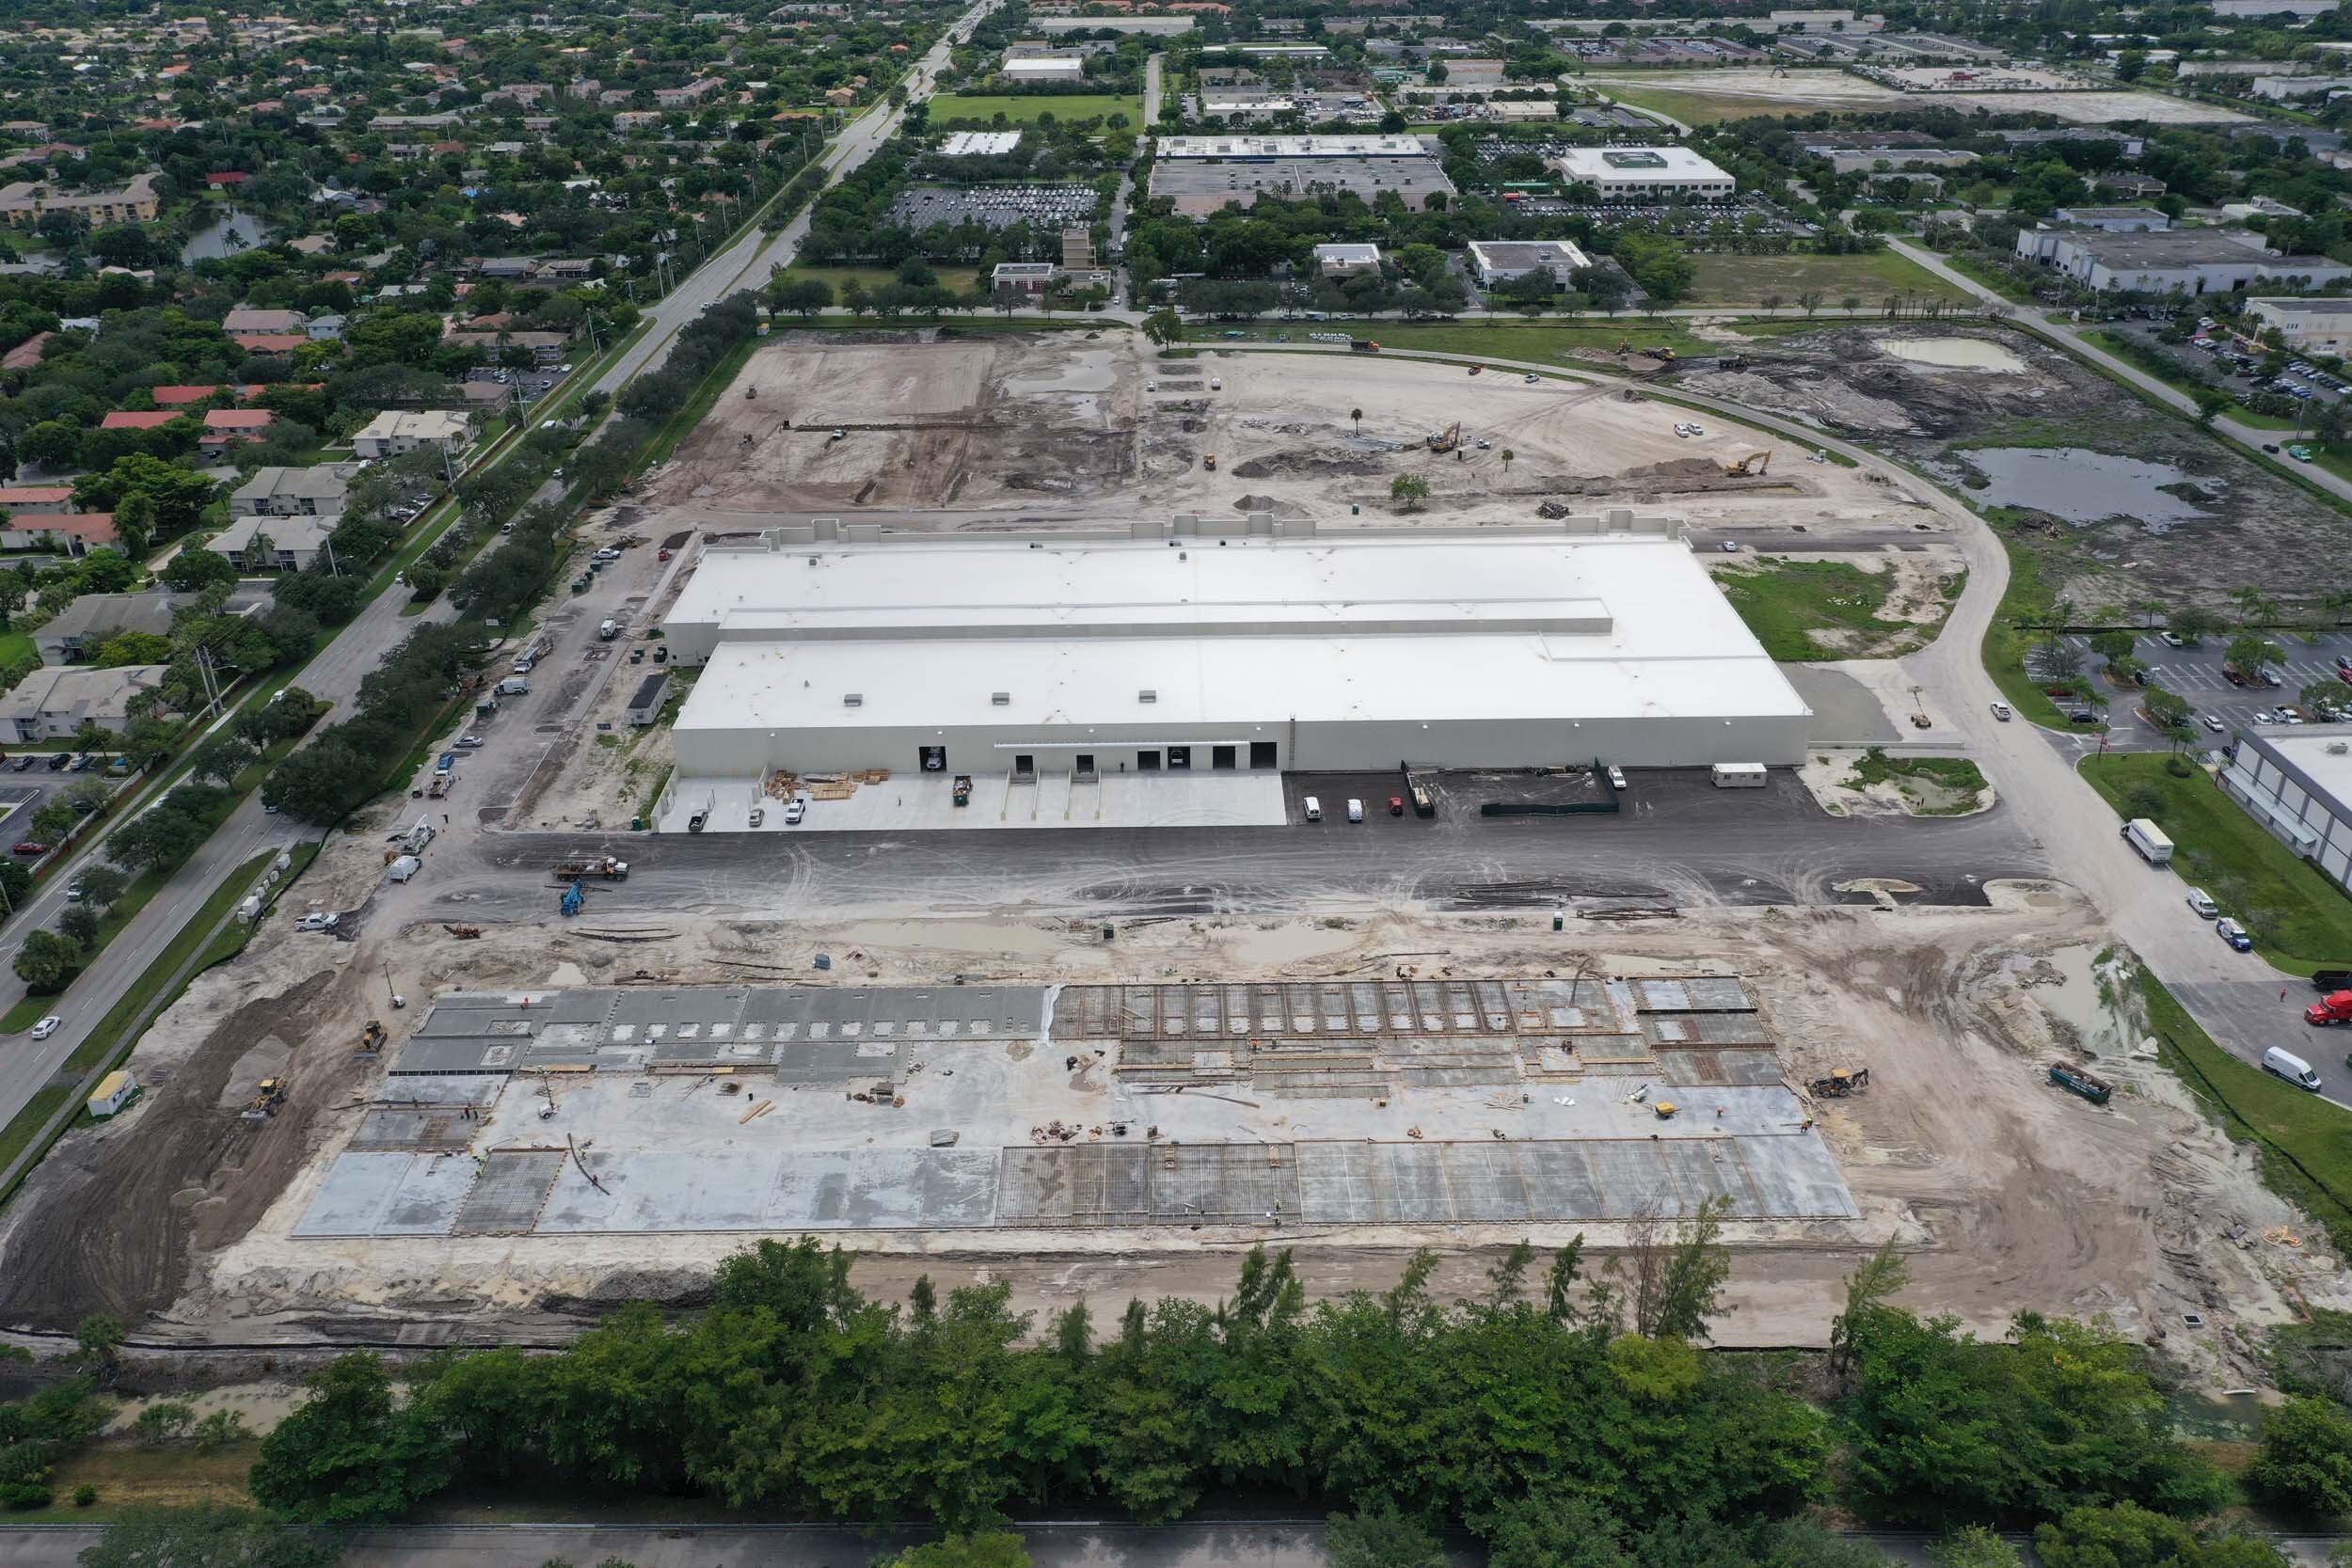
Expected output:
(2222, 707)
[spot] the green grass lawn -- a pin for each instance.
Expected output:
(15, 646)
(873, 277)
(1025, 110)
(1876, 276)
(2306, 1142)
(1999, 282)
(1784, 602)
(1699, 108)
(2299, 918)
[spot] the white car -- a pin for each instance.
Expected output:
(2211, 723)
(467, 742)
(318, 922)
(1217, 384)
(2263, 716)
(2001, 711)
(608, 553)
(1697, 429)
(1682, 430)
(47, 1027)
(794, 811)
(1532, 379)
(564, 370)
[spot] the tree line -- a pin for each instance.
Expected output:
(1564, 1415)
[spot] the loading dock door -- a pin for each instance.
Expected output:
(1179, 756)
(1147, 762)
(934, 759)
(1221, 757)
(1261, 753)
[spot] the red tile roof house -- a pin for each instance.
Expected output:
(232, 177)
(124, 418)
(269, 343)
(76, 533)
(225, 427)
(35, 498)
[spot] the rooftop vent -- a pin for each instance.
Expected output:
(853, 699)
(1000, 699)
(2337, 748)
(1147, 695)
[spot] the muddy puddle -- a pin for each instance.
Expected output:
(1090, 370)
(2084, 487)
(1952, 354)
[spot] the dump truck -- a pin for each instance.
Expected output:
(605, 866)
(1362, 345)
(2079, 1079)
(963, 789)
(2331, 979)
(2332, 1009)
(2150, 840)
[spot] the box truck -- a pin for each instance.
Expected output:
(2149, 839)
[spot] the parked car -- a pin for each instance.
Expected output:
(318, 921)
(2210, 722)
(22, 764)
(31, 847)
(794, 811)
(58, 762)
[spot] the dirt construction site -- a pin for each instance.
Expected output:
(1035, 425)
(559, 1122)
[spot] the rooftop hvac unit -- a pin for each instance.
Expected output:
(853, 699)
(1147, 695)
(2337, 748)
(1000, 699)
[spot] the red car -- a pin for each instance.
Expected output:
(26, 846)
(1396, 805)
(1475, 368)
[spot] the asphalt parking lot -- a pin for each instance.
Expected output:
(2196, 674)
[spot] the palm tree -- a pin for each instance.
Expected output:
(1508, 455)
(1358, 416)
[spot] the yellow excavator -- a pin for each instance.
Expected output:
(1446, 439)
(1750, 467)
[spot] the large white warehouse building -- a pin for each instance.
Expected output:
(1209, 645)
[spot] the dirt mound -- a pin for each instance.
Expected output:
(1679, 467)
(1306, 465)
(1273, 504)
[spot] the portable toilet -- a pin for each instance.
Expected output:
(114, 1092)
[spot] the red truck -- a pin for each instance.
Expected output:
(2333, 1008)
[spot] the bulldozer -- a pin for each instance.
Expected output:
(267, 1097)
(1841, 1083)
(1446, 439)
(1750, 467)
(371, 1038)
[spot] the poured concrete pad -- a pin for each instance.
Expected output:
(389, 1194)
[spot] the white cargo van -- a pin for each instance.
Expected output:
(1355, 809)
(405, 867)
(2201, 901)
(1314, 808)
(514, 686)
(2294, 1069)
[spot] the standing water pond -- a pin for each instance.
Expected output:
(2084, 487)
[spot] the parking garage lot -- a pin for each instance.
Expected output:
(996, 206)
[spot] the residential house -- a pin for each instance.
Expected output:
(395, 434)
(126, 418)
(75, 633)
(37, 498)
(53, 705)
(74, 532)
(274, 544)
(244, 320)
(227, 427)
(325, 329)
(284, 492)
(269, 343)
